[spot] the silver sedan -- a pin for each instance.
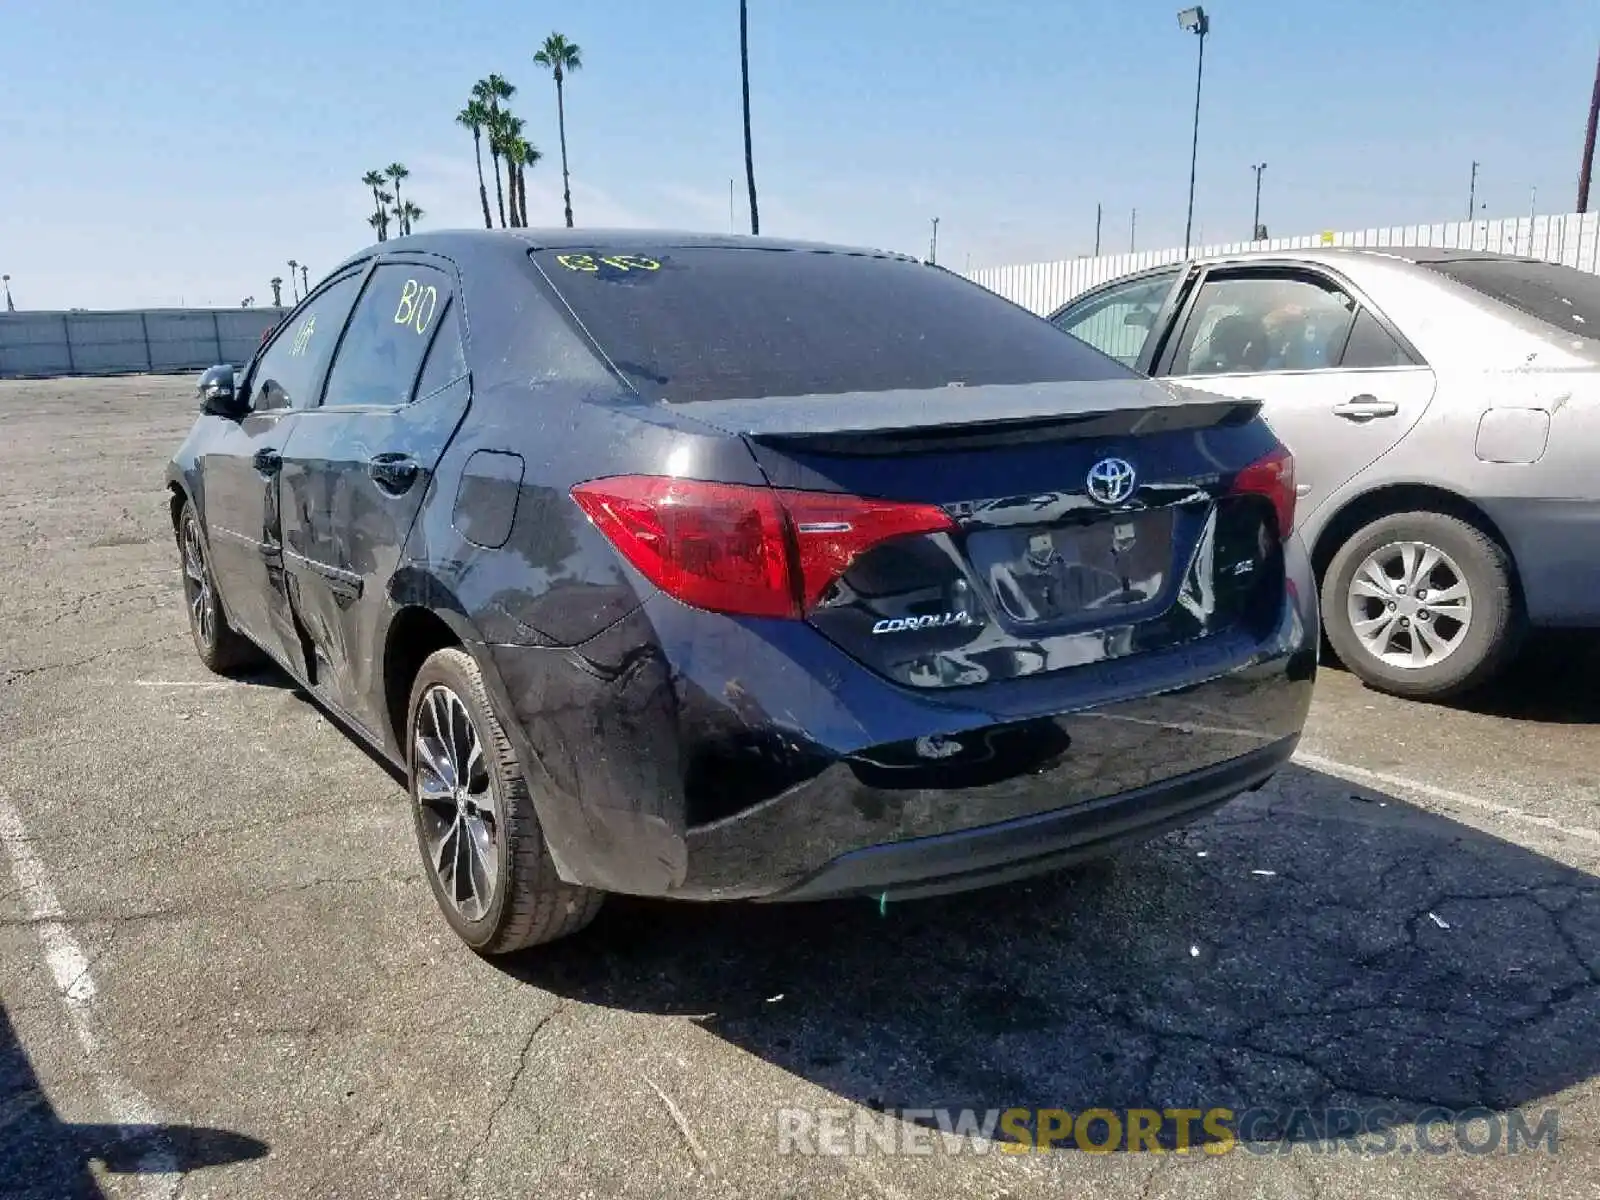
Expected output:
(1443, 407)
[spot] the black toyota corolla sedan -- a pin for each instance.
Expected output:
(723, 568)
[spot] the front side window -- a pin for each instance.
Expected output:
(394, 324)
(287, 374)
(1249, 324)
(1119, 320)
(726, 323)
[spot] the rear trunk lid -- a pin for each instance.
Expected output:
(1091, 520)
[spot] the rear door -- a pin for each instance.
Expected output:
(240, 472)
(1340, 386)
(360, 466)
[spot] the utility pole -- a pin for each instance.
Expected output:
(1133, 224)
(1587, 169)
(1255, 222)
(933, 244)
(1097, 231)
(730, 207)
(1194, 20)
(1472, 194)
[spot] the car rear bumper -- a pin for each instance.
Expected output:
(683, 754)
(1007, 850)
(1556, 547)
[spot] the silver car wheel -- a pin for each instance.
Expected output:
(197, 582)
(1409, 605)
(455, 796)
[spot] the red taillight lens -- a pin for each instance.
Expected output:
(731, 548)
(1272, 476)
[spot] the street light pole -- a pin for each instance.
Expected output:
(1195, 21)
(1472, 194)
(933, 243)
(1255, 223)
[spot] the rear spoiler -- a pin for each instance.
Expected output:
(1096, 408)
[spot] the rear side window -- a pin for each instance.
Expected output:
(723, 323)
(1564, 297)
(1371, 346)
(390, 332)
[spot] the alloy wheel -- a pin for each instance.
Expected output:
(197, 583)
(457, 806)
(1409, 605)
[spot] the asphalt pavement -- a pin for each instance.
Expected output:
(222, 973)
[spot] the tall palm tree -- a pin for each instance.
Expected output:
(744, 75)
(562, 57)
(514, 147)
(493, 91)
(474, 117)
(374, 180)
(294, 280)
(528, 154)
(383, 216)
(397, 171)
(411, 213)
(499, 151)
(376, 220)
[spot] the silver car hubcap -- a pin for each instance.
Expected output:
(1409, 605)
(197, 582)
(456, 804)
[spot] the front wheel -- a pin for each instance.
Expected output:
(219, 646)
(475, 822)
(1421, 605)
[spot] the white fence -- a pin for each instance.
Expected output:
(1573, 239)
(114, 343)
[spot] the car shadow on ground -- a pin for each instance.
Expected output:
(1306, 947)
(42, 1156)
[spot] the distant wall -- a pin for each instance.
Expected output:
(119, 343)
(1573, 239)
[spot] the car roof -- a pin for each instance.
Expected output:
(1334, 254)
(466, 242)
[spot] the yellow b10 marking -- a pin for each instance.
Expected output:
(417, 304)
(622, 262)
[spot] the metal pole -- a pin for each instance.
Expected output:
(1097, 231)
(1133, 225)
(144, 328)
(66, 331)
(730, 207)
(1194, 149)
(1587, 169)
(1472, 194)
(1255, 223)
(933, 244)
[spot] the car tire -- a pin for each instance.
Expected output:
(1452, 635)
(219, 646)
(473, 813)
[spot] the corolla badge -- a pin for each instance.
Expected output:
(1111, 481)
(932, 621)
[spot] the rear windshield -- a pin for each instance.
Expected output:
(1561, 296)
(725, 323)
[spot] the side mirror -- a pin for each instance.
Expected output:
(219, 393)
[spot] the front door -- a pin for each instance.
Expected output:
(359, 466)
(240, 472)
(1337, 385)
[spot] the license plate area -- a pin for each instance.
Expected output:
(1109, 569)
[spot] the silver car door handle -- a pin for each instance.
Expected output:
(1365, 407)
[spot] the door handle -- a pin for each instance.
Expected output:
(393, 473)
(267, 461)
(1365, 407)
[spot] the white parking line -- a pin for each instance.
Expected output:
(1398, 782)
(69, 967)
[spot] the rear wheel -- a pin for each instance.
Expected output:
(1421, 605)
(219, 646)
(475, 821)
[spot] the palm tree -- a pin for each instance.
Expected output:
(383, 216)
(294, 280)
(528, 154)
(514, 149)
(305, 285)
(492, 90)
(744, 74)
(562, 56)
(474, 117)
(397, 171)
(498, 151)
(374, 180)
(411, 213)
(377, 220)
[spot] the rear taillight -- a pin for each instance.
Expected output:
(755, 551)
(1271, 476)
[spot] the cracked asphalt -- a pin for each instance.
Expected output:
(1407, 919)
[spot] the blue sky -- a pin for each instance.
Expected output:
(152, 153)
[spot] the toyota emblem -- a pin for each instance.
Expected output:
(1111, 481)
